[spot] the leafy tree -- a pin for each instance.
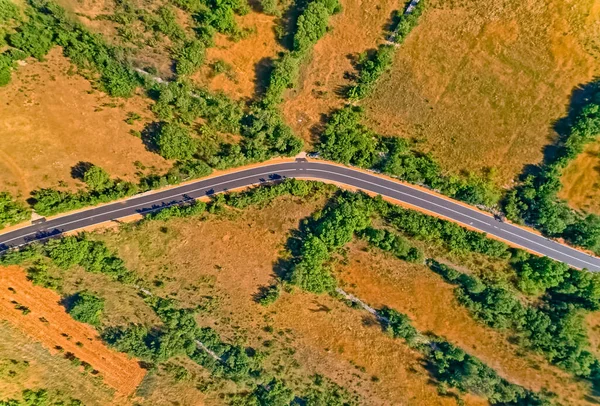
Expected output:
(536, 274)
(86, 308)
(174, 142)
(347, 141)
(97, 179)
(11, 211)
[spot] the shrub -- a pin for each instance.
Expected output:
(269, 294)
(397, 325)
(388, 241)
(11, 211)
(86, 308)
(312, 23)
(189, 56)
(97, 179)
(174, 142)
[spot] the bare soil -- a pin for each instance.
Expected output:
(47, 322)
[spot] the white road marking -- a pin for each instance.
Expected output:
(336, 174)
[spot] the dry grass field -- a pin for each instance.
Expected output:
(51, 120)
(481, 84)
(47, 321)
(581, 180)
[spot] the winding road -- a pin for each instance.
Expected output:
(305, 169)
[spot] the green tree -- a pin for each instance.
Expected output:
(174, 142)
(97, 179)
(87, 308)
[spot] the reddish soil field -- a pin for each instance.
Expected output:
(49, 323)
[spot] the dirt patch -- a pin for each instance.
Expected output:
(481, 84)
(581, 180)
(52, 119)
(359, 27)
(37, 312)
(381, 280)
(248, 58)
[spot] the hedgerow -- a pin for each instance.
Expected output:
(345, 139)
(554, 328)
(453, 367)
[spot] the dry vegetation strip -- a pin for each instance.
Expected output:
(48, 322)
(382, 280)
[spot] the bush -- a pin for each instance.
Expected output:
(284, 75)
(97, 179)
(86, 308)
(269, 294)
(189, 56)
(536, 274)
(312, 23)
(370, 68)
(388, 241)
(93, 256)
(398, 325)
(174, 142)
(11, 211)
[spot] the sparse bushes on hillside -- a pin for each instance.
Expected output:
(47, 25)
(372, 65)
(189, 57)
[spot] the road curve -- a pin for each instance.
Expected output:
(301, 168)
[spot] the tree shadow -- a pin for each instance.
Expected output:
(150, 136)
(79, 169)
(262, 72)
(288, 21)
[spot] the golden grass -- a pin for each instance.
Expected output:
(581, 180)
(481, 83)
(52, 120)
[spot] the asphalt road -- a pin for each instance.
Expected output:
(303, 169)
